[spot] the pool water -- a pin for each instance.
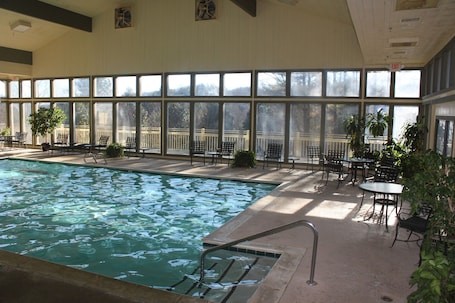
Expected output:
(139, 227)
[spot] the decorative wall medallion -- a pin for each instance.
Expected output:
(123, 17)
(205, 9)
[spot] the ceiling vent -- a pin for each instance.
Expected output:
(20, 26)
(403, 42)
(289, 2)
(415, 4)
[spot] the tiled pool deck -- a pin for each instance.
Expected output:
(355, 262)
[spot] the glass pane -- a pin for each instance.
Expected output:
(125, 86)
(378, 84)
(343, 83)
(407, 84)
(126, 121)
(376, 143)
(237, 117)
(207, 85)
(440, 136)
(335, 134)
(403, 115)
(39, 139)
(64, 128)
(81, 87)
(269, 126)
(43, 88)
(15, 118)
(103, 120)
(306, 84)
(26, 112)
(271, 84)
(2, 89)
(206, 124)
(103, 87)
(14, 89)
(151, 126)
(26, 88)
(449, 139)
(178, 128)
(3, 109)
(81, 122)
(237, 84)
(61, 88)
(150, 86)
(305, 131)
(178, 85)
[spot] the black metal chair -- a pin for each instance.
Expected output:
(226, 151)
(20, 139)
(273, 153)
(333, 163)
(130, 145)
(416, 224)
(95, 151)
(314, 154)
(197, 148)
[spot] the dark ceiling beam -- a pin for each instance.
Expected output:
(16, 55)
(51, 13)
(248, 6)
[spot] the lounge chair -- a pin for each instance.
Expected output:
(273, 153)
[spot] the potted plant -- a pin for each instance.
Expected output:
(114, 150)
(355, 129)
(434, 185)
(44, 122)
(5, 132)
(244, 158)
(377, 123)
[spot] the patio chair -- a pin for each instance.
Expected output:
(130, 145)
(60, 143)
(314, 153)
(95, 151)
(416, 224)
(333, 163)
(20, 139)
(273, 153)
(226, 151)
(197, 148)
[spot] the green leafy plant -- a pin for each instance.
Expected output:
(244, 158)
(377, 123)
(114, 150)
(355, 129)
(414, 135)
(434, 185)
(5, 131)
(45, 120)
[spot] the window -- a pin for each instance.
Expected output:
(237, 124)
(26, 88)
(178, 128)
(81, 87)
(207, 85)
(269, 125)
(43, 88)
(335, 134)
(444, 136)
(407, 84)
(82, 122)
(61, 88)
(206, 123)
(271, 84)
(343, 84)
(403, 115)
(237, 84)
(150, 86)
(3, 115)
(64, 128)
(376, 143)
(304, 128)
(378, 84)
(178, 85)
(103, 120)
(306, 84)
(126, 121)
(125, 86)
(14, 89)
(2, 89)
(103, 87)
(151, 126)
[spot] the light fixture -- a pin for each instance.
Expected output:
(20, 26)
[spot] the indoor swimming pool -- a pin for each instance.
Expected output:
(138, 227)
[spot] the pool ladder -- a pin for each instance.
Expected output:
(263, 234)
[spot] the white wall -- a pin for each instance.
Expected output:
(166, 38)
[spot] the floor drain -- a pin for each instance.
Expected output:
(386, 299)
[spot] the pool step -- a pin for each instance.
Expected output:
(230, 280)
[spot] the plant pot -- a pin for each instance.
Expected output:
(45, 146)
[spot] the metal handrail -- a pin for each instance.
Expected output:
(263, 234)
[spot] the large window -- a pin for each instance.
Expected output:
(237, 84)
(103, 120)
(335, 134)
(26, 88)
(307, 84)
(150, 86)
(179, 85)
(125, 86)
(372, 110)
(126, 121)
(269, 126)
(2, 89)
(407, 84)
(304, 129)
(42, 88)
(378, 84)
(178, 128)
(14, 89)
(63, 130)
(343, 84)
(403, 115)
(236, 126)
(444, 135)
(271, 84)
(103, 87)
(151, 126)
(81, 122)
(81, 87)
(206, 124)
(61, 88)
(207, 85)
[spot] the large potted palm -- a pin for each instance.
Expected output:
(44, 121)
(377, 123)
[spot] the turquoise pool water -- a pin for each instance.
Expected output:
(139, 227)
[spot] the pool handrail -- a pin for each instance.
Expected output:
(263, 234)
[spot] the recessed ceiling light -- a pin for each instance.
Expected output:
(20, 26)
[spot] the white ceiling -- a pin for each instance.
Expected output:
(377, 23)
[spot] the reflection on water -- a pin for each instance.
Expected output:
(144, 228)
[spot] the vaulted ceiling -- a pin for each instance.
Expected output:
(409, 32)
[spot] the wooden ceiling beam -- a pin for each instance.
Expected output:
(51, 13)
(16, 55)
(248, 6)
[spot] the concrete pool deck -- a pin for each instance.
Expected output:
(355, 262)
